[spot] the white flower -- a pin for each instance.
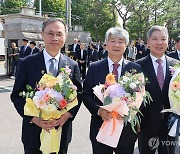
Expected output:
(50, 107)
(125, 78)
(132, 85)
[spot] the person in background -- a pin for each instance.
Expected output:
(82, 60)
(132, 52)
(176, 54)
(13, 54)
(41, 46)
(34, 48)
(54, 34)
(92, 54)
(25, 49)
(140, 49)
(104, 52)
(155, 67)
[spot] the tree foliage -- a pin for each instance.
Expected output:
(95, 15)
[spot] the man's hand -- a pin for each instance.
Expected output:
(44, 124)
(60, 122)
(105, 115)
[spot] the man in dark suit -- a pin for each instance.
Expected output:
(176, 54)
(74, 48)
(31, 69)
(25, 49)
(116, 41)
(140, 49)
(153, 130)
(104, 52)
(34, 48)
(82, 60)
(92, 54)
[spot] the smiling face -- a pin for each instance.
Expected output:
(158, 43)
(54, 36)
(116, 48)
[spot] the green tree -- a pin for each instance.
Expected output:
(52, 8)
(11, 6)
(96, 16)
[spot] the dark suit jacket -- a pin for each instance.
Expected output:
(84, 55)
(96, 75)
(25, 53)
(103, 54)
(30, 72)
(92, 56)
(174, 54)
(140, 48)
(153, 121)
(35, 50)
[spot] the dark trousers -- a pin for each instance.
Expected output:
(148, 143)
(14, 67)
(104, 149)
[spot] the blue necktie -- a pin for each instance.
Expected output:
(52, 68)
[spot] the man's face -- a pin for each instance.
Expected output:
(54, 37)
(32, 46)
(158, 43)
(178, 45)
(24, 43)
(116, 47)
(13, 45)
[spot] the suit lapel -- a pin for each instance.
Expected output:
(168, 74)
(150, 71)
(104, 69)
(41, 63)
(125, 62)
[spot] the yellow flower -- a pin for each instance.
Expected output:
(175, 85)
(48, 81)
(110, 79)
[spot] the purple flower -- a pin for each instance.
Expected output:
(116, 90)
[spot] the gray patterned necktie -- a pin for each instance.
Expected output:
(52, 68)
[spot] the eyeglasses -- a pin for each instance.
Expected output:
(51, 35)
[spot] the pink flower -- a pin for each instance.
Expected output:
(172, 70)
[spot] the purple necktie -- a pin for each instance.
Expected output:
(160, 73)
(115, 71)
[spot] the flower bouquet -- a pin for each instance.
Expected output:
(124, 98)
(52, 97)
(174, 99)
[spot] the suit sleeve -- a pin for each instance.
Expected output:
(19, 86)
(76, 81)
(88, 97)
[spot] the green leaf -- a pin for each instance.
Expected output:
(29, 88)
(107, 100)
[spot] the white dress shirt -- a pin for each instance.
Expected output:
(47, 57)
(110, 64)
(155, 64)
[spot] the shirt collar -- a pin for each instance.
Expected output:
(178, 52)
(155, 58)
(47, 57)
(110, 62)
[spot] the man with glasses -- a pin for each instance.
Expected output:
(54, 33)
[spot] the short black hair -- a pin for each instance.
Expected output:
(33, 42)
(178, 39)
(26, 40)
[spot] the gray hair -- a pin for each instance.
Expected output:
(117, 32)
(157, 28)
(52, 20)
